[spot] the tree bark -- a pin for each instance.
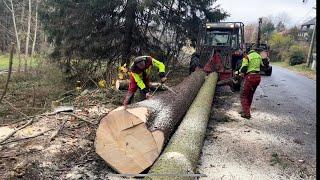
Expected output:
(131, 139)
(16, 33)
(123, 85)
(129, 28)
(183, 150)
(27, 39)
(35, 30)
(9, 72)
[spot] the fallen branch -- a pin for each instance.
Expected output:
(78, 117)
(94, 82)
(29, 137)
(9, 73)
(14, 108)
(59, 130)
(13, 132)
(30, 117)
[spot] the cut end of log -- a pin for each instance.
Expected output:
(117, 85)
(122, 84)
(125, 143)
(159, 138)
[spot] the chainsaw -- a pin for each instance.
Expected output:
(170, 89)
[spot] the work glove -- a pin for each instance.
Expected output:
(148, 95)
(146, 92)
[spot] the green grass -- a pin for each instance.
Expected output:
(4, 62)
(301, 69)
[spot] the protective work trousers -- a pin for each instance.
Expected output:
(133, 87)
(250, 84)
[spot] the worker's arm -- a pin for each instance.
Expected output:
(162, 69)
(140, 83)
(244, 66)
(262, 63)
(159, 65)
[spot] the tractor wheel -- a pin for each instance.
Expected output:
(269, 71)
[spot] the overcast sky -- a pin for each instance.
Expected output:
(248, 11)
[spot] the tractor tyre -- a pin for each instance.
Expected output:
(269, 71)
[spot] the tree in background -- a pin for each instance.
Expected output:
(111, 32)
(294, 33)
(280, 27)
(250, 33)
(267, 28)
(6, 32)
(16, 19)
(279, 45)
(281, 18)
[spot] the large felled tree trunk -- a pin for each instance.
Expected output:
(183, 150)
(130, 140)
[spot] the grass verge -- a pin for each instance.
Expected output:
(4, 62)
(300, 69)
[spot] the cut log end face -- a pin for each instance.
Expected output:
(125, 143)
(122, 84)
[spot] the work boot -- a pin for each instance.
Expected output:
(245, 116)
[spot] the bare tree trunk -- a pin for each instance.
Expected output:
(9, 72)
(35, 30)
(20, 32)
(27, 38)
(15, 30)
(129, 27)
(167, 21)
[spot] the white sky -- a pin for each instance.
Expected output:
(248, 11)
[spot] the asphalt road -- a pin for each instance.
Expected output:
(293, 97)
(278, 142)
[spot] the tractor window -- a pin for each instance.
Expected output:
(234, 41)
(217, 39)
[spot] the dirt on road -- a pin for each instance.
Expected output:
(237, 148)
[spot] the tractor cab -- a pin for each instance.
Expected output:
(225, 39)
